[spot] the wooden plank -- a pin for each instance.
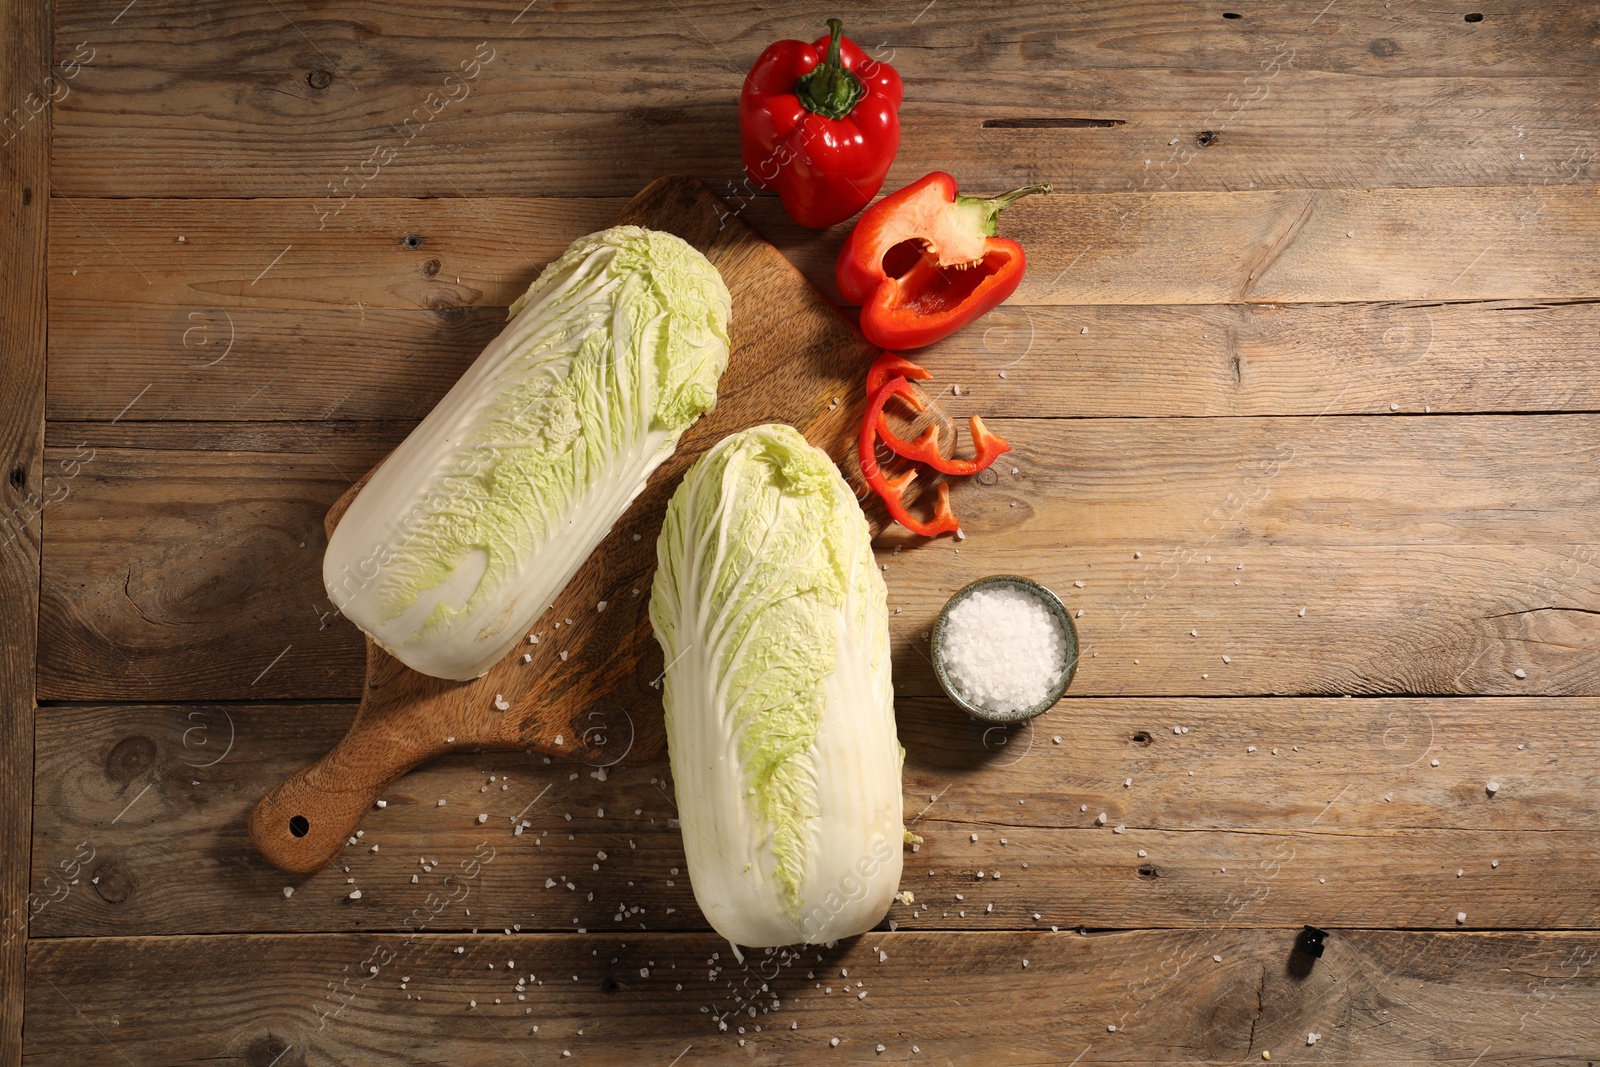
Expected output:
(1223, 360)
(1430, 245)
(1378, 997)
(153, 801)
(27, 85)
(1294, 246)
(217, 132)
(1269, 359)
(444, 256)
(207, 363)
(1355, 37)
(1436, 555)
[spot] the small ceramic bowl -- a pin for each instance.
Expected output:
(1052, 604)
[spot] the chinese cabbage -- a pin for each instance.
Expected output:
(469, 530)
(772, 617)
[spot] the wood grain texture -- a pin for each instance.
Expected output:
(1376, 997)
(27, 487)
(224, 545)
(1291, 246)
(1431, 555)
(1554, 38)
(140, 130)
(1241, 359)
(1423, 245)
(1341, 793)
(1399, 220)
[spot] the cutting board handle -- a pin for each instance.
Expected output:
(303, 823)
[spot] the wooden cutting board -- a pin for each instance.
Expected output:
(792, 353)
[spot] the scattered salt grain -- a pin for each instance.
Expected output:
(1519, 673)
(1461, 916)
(1493, 787)
(288, 890)
(1003, 649)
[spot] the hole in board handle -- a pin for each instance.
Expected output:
(299, 826)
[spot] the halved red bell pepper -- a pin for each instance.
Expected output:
(819, 123)
(892, 490)
(987, 446)
(924, 262)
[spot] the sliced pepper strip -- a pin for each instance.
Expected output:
(887, 366)
(925, 449)
(988, 447)
(892, 491)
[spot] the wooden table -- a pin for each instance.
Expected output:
(1302, 381)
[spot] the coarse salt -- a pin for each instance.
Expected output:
(1003, 649)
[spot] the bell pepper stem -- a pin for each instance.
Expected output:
(988, 207)
(830, 90)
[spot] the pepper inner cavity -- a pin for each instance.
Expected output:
(929, 289)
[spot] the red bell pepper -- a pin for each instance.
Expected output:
(819, 123)
(987, 446)
(892, 491)
(924, 262)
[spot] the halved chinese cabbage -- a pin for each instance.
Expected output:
(469, 530)
(780, 715)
